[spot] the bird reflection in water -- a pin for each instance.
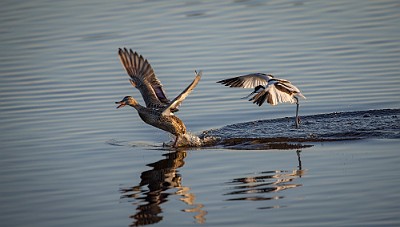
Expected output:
(160, 180)
(255, 186)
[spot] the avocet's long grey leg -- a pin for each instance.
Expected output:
(298, 158)
(297, 119)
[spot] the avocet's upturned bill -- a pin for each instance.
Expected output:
(267, 88)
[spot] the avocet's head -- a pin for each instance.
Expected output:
(258, 89)
(128, 100)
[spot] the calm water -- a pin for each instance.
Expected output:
(69, 158)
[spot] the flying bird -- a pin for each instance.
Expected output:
(267, 88)
(159, 110)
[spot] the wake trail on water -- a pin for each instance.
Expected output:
(282, 134)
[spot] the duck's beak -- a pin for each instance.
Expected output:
(121, 104)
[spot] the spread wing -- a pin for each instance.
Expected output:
(143, 78)
(247, 81)
(179, 99)
(277, 91)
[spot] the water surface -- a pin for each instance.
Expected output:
(69, 158)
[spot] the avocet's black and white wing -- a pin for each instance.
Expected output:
(247, 81)
(277, 91)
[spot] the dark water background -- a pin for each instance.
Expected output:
(69, 158)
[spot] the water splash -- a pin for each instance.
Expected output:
(191, 140)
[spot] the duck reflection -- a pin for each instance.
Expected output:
(255, 186)
(160, 180)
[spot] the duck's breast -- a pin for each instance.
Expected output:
(171, 124)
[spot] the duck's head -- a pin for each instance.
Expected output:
(127, 100)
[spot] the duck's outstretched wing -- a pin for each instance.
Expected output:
(179, 99)
(247, 81)
(143, 78)
(277, 91)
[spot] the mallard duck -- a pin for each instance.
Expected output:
(267, 88)
(159, 110)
